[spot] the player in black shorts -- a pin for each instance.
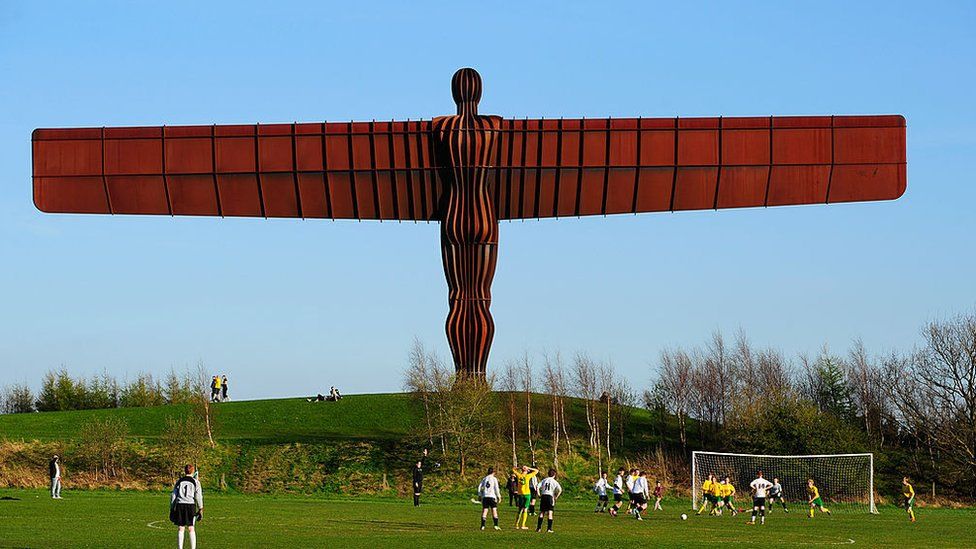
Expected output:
(549, 492)
(490, 494)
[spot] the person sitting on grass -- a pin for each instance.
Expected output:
(186, 505)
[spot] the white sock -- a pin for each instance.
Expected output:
(179, 539)
(193, 539)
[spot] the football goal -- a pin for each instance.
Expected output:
(845, 481)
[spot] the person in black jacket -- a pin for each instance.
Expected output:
(512, 487)
(418, 479)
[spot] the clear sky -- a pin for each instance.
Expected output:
(289, 307)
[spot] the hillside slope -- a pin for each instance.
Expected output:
(355, 417)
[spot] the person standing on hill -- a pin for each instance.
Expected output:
(213, 389)
(223, 388)
(418, 479)
(54, 468)
(490, 494)
(186, 506)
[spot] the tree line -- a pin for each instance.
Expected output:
(915, 410)
(59, 391)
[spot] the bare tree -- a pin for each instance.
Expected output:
(865, 379)
(510, 384)
(675, 378)
(718, 364)
(201, 405)
(935, 394)
(608, 386)
(417, 380)
(528, 384)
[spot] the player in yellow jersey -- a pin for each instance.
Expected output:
(718, 492)
(909, 494)
(523, 480)
(728, 493)
(707, 494)
(814, 500)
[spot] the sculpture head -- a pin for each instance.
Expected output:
(466, 89)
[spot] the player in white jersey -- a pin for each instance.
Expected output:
(600, 488)
(549, 492)
(639, 494)
(490, 496)
(760, 488)
(618, 491)
(186, 505)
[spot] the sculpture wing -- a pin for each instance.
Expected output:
(353, 170)
(554, 168)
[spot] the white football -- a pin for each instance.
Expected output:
(684, 516)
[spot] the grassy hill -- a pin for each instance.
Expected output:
(362, 444)
(356, 417)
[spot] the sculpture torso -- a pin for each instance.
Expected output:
(469, 224)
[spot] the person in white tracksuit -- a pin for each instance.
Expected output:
(54, 468)
(490, 496)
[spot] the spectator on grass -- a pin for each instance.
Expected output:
(223, 388)
(213, 389)
(186, 505)
(54, 468)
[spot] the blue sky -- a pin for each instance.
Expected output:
(290, 307)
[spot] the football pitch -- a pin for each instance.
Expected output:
(28, 518)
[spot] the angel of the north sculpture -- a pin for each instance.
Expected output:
(468, 171)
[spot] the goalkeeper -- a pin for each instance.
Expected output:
(909, 494)
(776, 494)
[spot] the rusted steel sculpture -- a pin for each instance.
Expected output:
(468, 171)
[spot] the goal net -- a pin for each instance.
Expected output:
(846, 481)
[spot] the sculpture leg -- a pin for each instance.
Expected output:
(470, 269)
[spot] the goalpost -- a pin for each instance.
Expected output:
(846, 480)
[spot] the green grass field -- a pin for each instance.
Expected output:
(139, 519)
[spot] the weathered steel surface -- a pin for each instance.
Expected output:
(468, 171)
